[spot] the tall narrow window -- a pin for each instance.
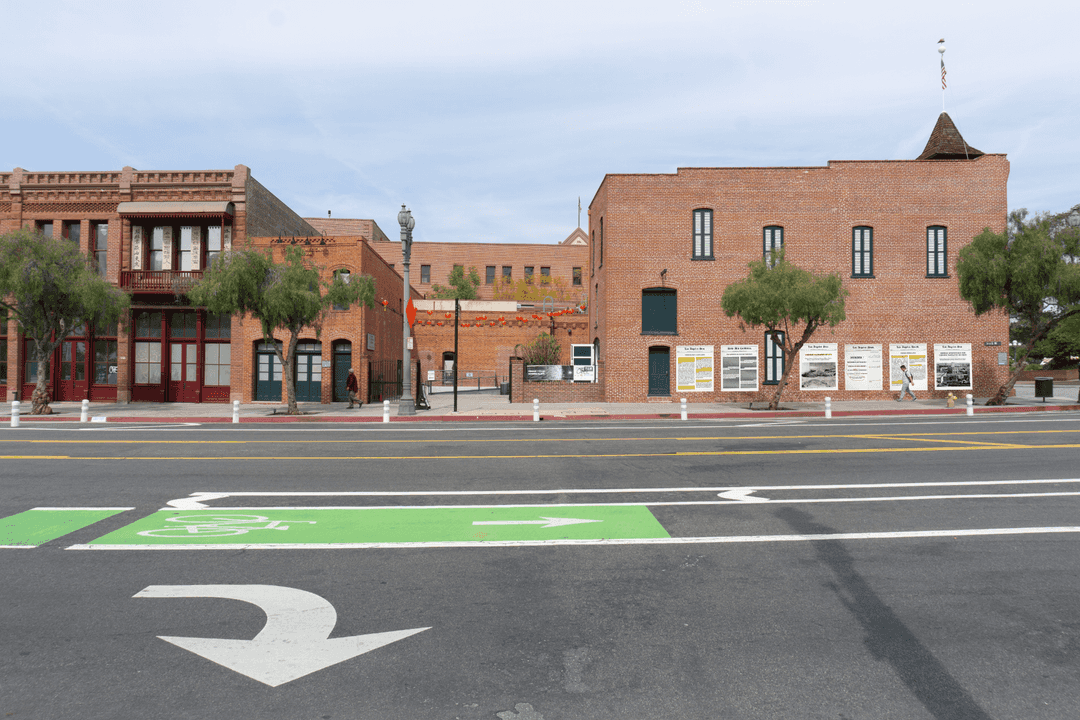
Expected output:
(425, 273)
(148, 348)
(100, 232)
(217, 368)
(489, 274)
(185, 248)
(157, 249)
(862, 252)
(213, 244)
(936, 237)
(774, 359)
(601, 242)
(105, 362)
(577, 276)
(528, 271)
(3, 346)
(703, 235)
(71, 230)
(507, 272)
(772, 243)
(345, 276)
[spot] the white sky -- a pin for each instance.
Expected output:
(490, 119)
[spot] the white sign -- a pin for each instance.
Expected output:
(326, 363)
(694, 368)
(584, 373)
(952, 366)
(292, 644)
(430, 374)
(914, 356)
(818, 366)
(862, 367)
(738, 367)
(371, 341)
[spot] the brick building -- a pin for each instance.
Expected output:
(664, 247)
(153, 234)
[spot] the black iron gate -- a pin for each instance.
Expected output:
(384, 380)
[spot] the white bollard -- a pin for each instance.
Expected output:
(970, 407)
(386, 411)
(236, 411)
(85, 410)
(828, 407)
(14, 413)
(536, 409)
(683, 402)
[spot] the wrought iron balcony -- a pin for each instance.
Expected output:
(159, 281)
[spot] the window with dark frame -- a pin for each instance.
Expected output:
(345, 276)
(99, 232)
(3, 346)
(507, 272)
(213, 245)
(489, 275)
(703, 235)
(545, 271)
(157, 249)
(45, 227)
(774, 359)
(772, 242)
(30, 366)
(218, 352)
(659, 311)
(72, 230)
(184, 250)
(105, 355)
(147, 348)
(577, 276)
(425, 273)
(936, 239)
(528, 271)
(862, 251)
(601, 242)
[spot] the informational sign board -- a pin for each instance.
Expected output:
(584, 373)
(431, 375)
(952, 366)
(818, 366)
(371, 341)
(738, 367)
(548, 373)
(694, 368)
(862, 367)
(584, 363)
(914, 356)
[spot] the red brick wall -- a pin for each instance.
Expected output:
(647, 228)
(551, 392)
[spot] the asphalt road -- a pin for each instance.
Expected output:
(845, 569)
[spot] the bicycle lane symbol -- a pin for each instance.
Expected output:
(219, 526)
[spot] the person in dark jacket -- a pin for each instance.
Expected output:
(352, 387)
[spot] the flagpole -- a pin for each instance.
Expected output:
(941, 52)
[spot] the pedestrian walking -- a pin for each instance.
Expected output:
(352, 387)
(905, 388)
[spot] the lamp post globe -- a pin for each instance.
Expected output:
(406, 405)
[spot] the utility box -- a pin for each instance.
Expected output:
(1044, 387)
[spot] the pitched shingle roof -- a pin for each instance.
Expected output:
(946, 143)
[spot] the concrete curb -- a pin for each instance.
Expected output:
(480, 417)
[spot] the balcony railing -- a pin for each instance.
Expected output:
(160, 281)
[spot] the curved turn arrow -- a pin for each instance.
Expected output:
(293, 643)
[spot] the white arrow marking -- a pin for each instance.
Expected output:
(546, 522)
(195, 502)
(292, 644)
(742, 495)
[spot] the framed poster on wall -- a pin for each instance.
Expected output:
(694, 368)
(862, 367)
(818, 366)
(738, 367)
(952, 366)
(914, 356)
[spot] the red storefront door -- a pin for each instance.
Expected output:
(73, 383)
(183, 372)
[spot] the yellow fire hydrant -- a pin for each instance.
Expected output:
(951, 401)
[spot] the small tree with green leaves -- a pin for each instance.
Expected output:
(460, 286)
(785, 299)
(285, 297)
(1029, 272)
(51, 289)
(542, 350)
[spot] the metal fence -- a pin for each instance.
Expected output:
(384, 380)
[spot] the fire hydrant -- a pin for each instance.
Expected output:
(951, 401)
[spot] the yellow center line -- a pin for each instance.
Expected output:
(310, 458)
(951, 440)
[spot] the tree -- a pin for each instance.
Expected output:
(543, 350)
(285, 296)
(781, 298)
(1061, 344)
(1031, 272)
(52, 289)
(535, 288)
(459, 285)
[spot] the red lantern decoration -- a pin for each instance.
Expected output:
(439, 323)
(429, 312)
(536, 317)
(449, 315)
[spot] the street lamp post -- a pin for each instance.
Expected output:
(406, 406)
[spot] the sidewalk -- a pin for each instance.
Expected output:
(489, 405)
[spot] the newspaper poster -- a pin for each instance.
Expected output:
(694, 368)
(738, 367)
(818, 364)
(862, 367)
(952, 366)
(914, 356)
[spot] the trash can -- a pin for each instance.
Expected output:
(504, 388)
(1044, 387)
